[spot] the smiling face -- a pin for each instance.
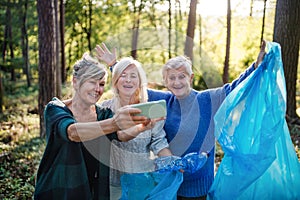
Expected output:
(90, 91)
(128, 82)
(178, 81)
(89, 78)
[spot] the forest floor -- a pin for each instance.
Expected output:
(21, 148)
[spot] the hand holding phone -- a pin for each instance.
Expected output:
(152, 109)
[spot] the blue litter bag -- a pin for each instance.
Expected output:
(151, 185)
(259, 157)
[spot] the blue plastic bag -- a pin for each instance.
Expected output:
(259, 157)
(151, 185)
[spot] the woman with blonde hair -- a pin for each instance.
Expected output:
(130, 87)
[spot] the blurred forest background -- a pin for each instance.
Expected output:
(41, 40)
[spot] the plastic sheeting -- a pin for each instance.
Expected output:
(165, 181)
(151, 185)
(259, 157)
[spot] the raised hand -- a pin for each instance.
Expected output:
(261, 54)
(105, 55)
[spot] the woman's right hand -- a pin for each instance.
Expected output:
(125, 117)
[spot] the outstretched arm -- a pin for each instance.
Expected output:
(230, 86)
(124, 118)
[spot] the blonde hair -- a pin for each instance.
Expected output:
(175, 63)
(88, 68)
(118, 70)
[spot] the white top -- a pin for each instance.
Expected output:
(134, 156)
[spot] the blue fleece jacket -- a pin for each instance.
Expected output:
(189, 128)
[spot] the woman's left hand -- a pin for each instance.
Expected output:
(105, 55)
(261, 54)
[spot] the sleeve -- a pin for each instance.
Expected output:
(230, 86)
(57, 120)
(103, 113)
(155, 95)
(158, 138)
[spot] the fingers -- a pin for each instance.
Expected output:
(115, 51)
(105, 49)
(158, 119)
(261, 54)
(139, 119)
(99, 52)
(130, 110)
(102, 50)
(263, 46)
(127, 110)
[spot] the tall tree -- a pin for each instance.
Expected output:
(137, 9)
(170, 28)
(47, 55)
(228, 36)
(62, 40)
(57, 49)
(200, 36)
(263, 22)
(24, 41)
(189, 42)
(8, 40)
(178, 18)
(1, 94)
(287, 34)
(251, 8)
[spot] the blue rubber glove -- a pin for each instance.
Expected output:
(190, 163)
(167, 163)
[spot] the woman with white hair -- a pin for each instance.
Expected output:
(189, 125)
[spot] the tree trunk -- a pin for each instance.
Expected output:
(135, 29)
(8, 40)
(57, 51)
(24, 39)
(170, 29)
(189, 42)
(62, 41)
(1, 94)
(178, 18)
(287, 34)
(227, 54)
(263, 22)
(12, 54)
(200, 36)
(251, 8)
(89, 32)
(47, 56)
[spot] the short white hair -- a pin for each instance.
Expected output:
(177, 62)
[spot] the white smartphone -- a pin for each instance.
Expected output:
(152, 109)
